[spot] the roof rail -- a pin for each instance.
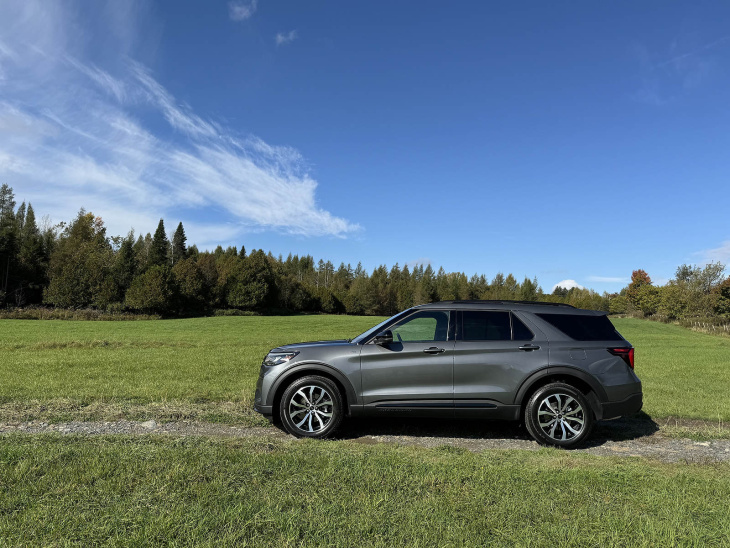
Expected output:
(540, 303)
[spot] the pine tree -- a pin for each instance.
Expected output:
(8, 240)
(159, 248)
(179, 249)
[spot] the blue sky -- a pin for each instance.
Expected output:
(567, 141)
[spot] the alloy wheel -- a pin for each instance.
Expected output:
(311, 408)
(561, 417)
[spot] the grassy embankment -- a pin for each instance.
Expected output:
(207, 368)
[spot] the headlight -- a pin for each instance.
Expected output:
(277, 358)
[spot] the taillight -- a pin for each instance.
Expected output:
(626, 353)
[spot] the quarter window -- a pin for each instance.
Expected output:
(520, 332)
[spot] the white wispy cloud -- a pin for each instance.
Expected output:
(672, 72)
(118, 143)
(567, 284)
(283, 38)
(240, 11)
(609, 279)
(425, 261)
(718, 254)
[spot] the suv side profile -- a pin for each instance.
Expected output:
(554, 367)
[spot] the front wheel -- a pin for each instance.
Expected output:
(311, 407)
(559, 415)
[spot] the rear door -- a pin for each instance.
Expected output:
(494, 352)
(416, 370)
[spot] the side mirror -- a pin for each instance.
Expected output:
(384, 337)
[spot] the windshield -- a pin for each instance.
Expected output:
(377, 328)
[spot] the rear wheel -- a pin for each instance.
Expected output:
(311, 407)
(559, 415)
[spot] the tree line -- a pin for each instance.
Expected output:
(78, 265)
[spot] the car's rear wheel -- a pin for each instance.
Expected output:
(559, 415)
(311, 407)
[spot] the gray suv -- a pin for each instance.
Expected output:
(554, 367)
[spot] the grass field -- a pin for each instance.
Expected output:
(207, 367)
(141, 491)
(126, 490)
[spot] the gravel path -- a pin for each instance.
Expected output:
(614, 438)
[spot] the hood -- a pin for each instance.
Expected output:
(303, 345)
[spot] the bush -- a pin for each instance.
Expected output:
(153, 291)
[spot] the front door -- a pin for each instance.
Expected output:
(415, 371)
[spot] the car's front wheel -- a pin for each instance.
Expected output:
(559, 415)
(311, 407)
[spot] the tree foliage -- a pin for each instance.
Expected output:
(79, 265)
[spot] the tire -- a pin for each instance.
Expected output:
(311, 407)
(559, 415)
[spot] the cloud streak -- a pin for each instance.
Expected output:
(240, 11)
(74, 134)
(283, 38)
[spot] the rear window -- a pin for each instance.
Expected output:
(583, 328)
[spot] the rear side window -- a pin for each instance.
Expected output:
(583, 328)
(485, 326)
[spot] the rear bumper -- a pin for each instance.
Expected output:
(628, 406)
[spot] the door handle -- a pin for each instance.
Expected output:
(528, 347)
(434, 350)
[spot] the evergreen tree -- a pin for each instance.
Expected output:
(159, 247)
(32, 261)
(179, 249)
(126, 264)
(8, 241)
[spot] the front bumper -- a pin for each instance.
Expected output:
(628, 406)
(266, 410)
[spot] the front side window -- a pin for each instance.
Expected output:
(426, 326)
(482, 325)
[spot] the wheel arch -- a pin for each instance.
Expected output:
(346, 389)
(583, 381)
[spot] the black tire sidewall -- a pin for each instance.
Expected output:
(337, 407)
(531, 420)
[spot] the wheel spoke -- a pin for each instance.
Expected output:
(328, 402)
(575, 432)
(299, 425)
(298, 404)
(573, 412)
(560, 403)
(303, 395)
(562, 425)
(546, 424)
(292, 415)
(573, 419)
(323, 413)
(566, 404)
(552, 430)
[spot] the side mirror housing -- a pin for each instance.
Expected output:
(384, 337)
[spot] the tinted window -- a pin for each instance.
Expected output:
(422, 327)
(520, 332)
(583, 328)
(485, 326)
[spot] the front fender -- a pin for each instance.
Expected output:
(312, 367)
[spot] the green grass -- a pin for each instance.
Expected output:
(138, 491)
(685, 374)
(206, 368)
(167, 369)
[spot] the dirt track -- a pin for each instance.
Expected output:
(625, 437)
